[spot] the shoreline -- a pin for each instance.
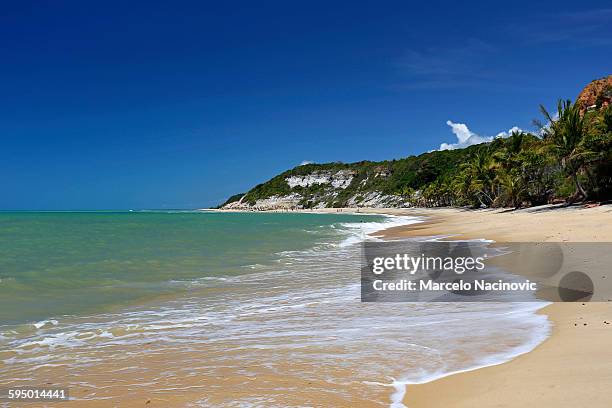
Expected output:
(579, 337)
(565, 369)
(538, 376)
(540, 369)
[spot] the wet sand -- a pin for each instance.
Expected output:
(570, 369)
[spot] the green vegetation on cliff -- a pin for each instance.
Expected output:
(570, 160)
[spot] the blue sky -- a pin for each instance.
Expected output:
(181, 104)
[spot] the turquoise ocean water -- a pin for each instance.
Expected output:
(157, 304)
(64, 263)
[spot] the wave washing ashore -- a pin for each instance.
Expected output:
(192, 309)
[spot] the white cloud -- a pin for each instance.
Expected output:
(546, 126)
(465, 137)
(305, 162)
(509, 132)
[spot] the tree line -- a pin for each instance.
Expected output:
(569, 160)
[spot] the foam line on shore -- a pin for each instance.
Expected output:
(401, 385)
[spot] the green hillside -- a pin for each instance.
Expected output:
(570, 160)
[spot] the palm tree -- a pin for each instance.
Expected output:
(481, 171)
(565, 133)
(598, 142)
(507, 158)
(409, 194)
(513, 188)
(603, 121)
(461, 187)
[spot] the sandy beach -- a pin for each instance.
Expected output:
(568, 369)
(571, 366)
(199, 369)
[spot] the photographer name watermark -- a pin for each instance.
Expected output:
(459, 271)
(456, 286)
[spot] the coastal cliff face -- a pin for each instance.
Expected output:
(320, 189)
(597, 94)
(362, 184)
